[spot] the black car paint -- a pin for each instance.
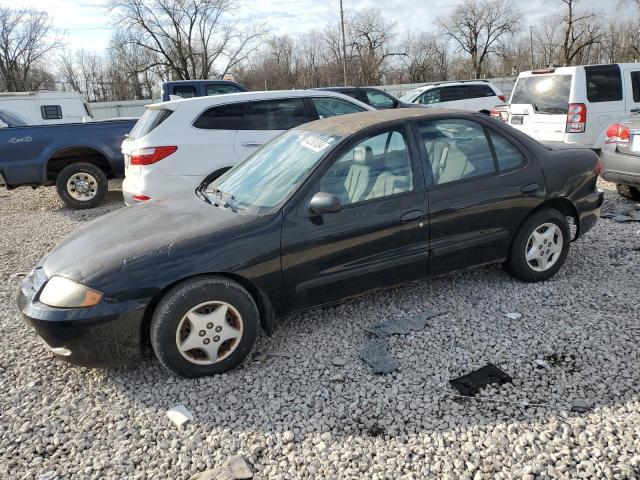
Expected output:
(291, 260)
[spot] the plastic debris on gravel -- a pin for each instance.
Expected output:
(179, 415)
(236, 468)
(626, 213)
(471, 383)
(375, 353)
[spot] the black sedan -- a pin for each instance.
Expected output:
(325, 211)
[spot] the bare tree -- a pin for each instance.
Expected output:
(25, 42)
(189, 38)
(425, 59)
(581, 31)
(476, 27)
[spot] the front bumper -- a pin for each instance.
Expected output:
(619, 167)
(108, 334)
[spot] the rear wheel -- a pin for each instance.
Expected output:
(627, 191)
(82, 185)
(204, 326)
(540, 247)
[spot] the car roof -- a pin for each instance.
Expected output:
(248, 96)
(453, 83)
(345, 125)
(217, 80)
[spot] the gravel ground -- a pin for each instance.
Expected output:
(304, 417)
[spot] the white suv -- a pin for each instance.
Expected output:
(574, 105)
(176, 144)
(472, 95)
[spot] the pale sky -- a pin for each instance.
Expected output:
(86, 22)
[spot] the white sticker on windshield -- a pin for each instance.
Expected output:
(314, 143)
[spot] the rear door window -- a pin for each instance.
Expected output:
(604, 83)
(276, 114)
(330, 107)
(545, 93)
(149, 120)
(478, 91)
(222, 117)
(508, 155)
(184, 91)
(430, 96)
(453, 94)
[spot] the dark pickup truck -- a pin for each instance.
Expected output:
(78, 158)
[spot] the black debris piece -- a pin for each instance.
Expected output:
(580, 406)
(400, 326)
(471, 383)
(626, 213)
(376, 355)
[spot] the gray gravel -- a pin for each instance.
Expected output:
(310, 416)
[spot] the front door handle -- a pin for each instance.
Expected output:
(531, 188)
(411, 216)
(251, 144)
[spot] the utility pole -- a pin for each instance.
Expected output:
(531, 45)
(344, 47)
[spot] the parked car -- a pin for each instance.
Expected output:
(574, 105)
(328, 210)
(198, 88)
(45, 108)
(472, 95)
(621, 156)
(176, 144)
(78, 158)
(378, 99)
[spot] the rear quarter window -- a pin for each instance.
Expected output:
(149, 120)
(222, 117)
(604, 83)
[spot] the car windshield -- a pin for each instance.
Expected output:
(546, 93)
(266, 179)
(13, 118)
(411, 95)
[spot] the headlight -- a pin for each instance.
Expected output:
(65, 293)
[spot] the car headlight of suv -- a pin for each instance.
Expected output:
(64, 293)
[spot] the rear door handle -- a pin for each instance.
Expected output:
(251, 144)
(531, 188)
(411, 216)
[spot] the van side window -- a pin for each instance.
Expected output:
(635, 85)
(604, 83)
(452, 94)
(478, 91)
(222, 117)
(51, 112)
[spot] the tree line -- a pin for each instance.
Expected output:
(157, 40)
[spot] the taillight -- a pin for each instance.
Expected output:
(502, 98)
(150, 155)
(617, 133)
(494, 113)
(598, 168)
(576, 118)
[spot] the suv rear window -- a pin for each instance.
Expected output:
(149, 120)
(220, 89)
(222, 117)
(604, 83)
(545, 93)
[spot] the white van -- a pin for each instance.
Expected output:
(47, 107)
(574, 105)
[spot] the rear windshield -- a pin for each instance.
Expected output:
(149, 120)
(545, 93)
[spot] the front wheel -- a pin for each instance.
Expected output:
(540, 247)
(82, 185)
(627, 191)
(204, 326)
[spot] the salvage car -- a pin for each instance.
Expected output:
(328, 210)
(621, 156)
(78, 158)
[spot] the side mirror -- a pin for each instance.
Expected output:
(323, 202)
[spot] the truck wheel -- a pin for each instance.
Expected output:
(627, 191)
(82, 185)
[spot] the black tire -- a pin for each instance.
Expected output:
(517, 264)
(184, 297)
(98, 186)
(627, 191)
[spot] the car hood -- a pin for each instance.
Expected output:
(159, 228)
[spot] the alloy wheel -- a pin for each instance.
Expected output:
(544, 247)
